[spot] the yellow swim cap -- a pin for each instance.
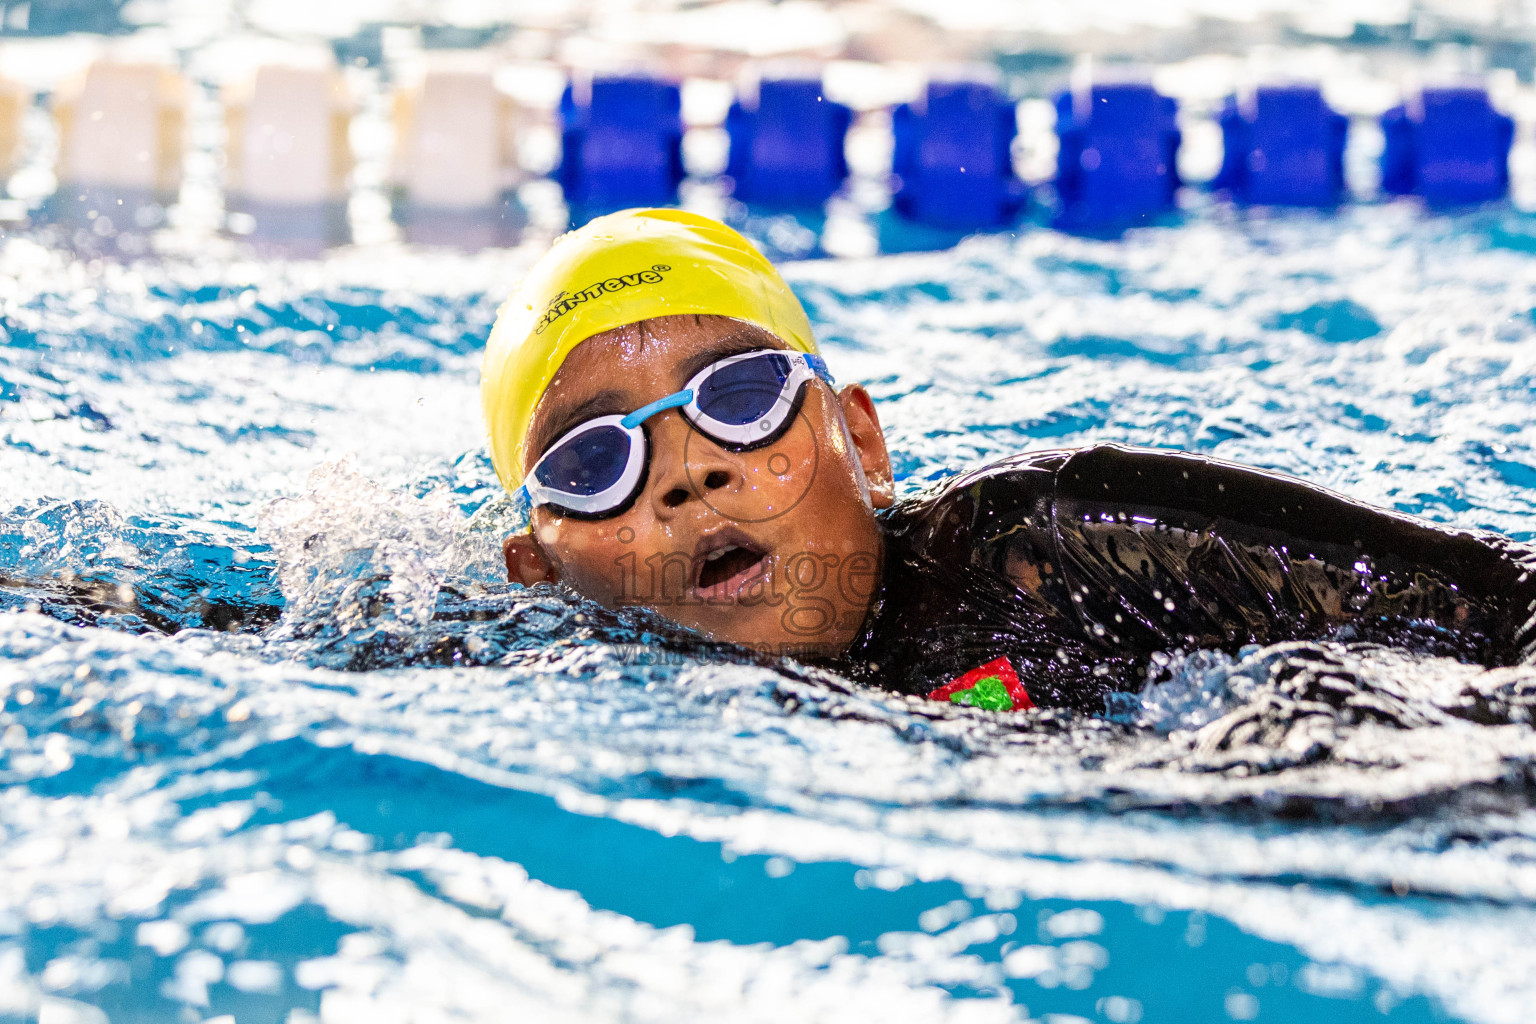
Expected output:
(617, 270)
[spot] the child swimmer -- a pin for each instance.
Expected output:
(654, 390)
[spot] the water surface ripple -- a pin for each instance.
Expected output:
(278, 743)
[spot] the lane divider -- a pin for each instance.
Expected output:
(1448, 146)
(1118, 161)
(622, 138)
(953, 160)
(787, 144)
(287, 154)
(1284, 147)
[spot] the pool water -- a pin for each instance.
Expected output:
(280, 744)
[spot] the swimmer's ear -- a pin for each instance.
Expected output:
(526, 563)
(868, 443)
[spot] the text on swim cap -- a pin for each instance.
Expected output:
(567, 301)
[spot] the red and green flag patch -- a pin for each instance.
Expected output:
(994, 686)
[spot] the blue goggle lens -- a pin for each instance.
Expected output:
(745, 391)
(587, 464)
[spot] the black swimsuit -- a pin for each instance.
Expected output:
(1078, 565)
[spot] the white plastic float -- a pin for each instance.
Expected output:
(287, 153)
(455, 161)
(14, 101)
(121, 129)
(454, 147)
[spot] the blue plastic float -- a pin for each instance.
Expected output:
(1116, 162)
(1448, 146)
(787, 149)
(622, 142)
(954, 158)
(1286, 148)
(953, 167)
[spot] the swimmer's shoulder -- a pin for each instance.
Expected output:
(948, 519)
(1027, 491)
(1196, 491)
(1033, 470)
(1174, 486)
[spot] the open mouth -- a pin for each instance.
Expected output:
(733, 562)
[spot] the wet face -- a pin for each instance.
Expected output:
(775, 547)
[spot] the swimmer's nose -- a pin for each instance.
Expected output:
(685, 465)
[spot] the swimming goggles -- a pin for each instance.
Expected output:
(740, 402)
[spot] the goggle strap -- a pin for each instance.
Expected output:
(819, 365)
(645, 412)
(522, 501)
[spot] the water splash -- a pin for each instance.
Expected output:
(378, 803)
(354, 556)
